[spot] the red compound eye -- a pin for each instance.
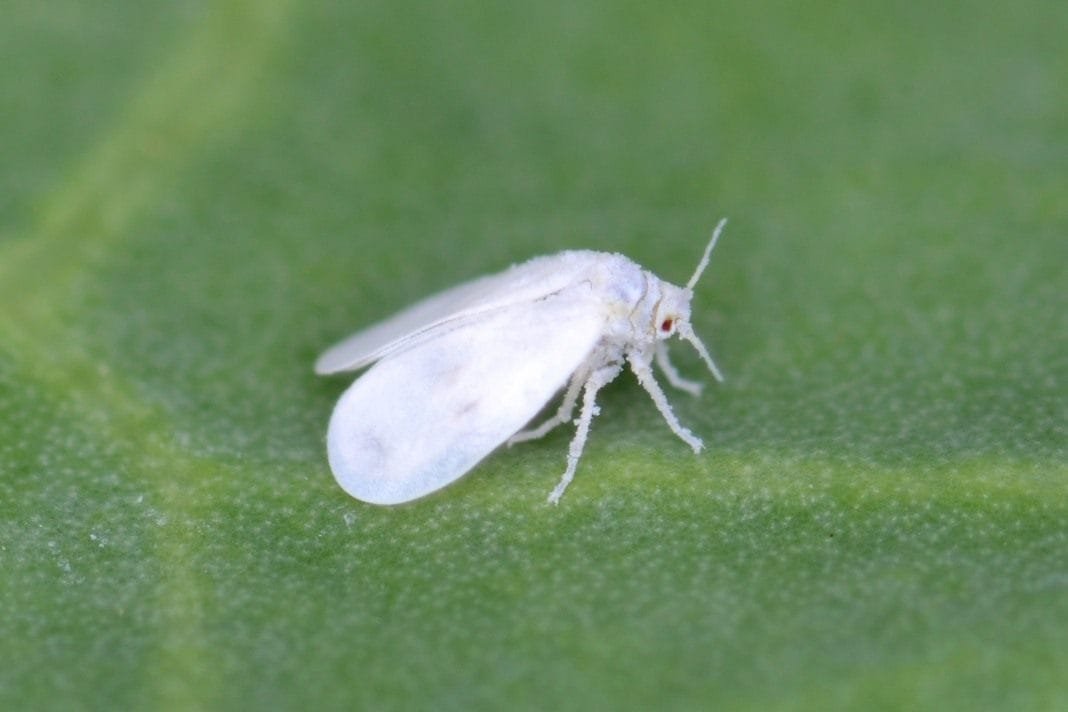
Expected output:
(666, 325)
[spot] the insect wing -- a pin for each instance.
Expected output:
(521, 284)
(423, 417)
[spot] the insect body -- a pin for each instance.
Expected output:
(460, 373)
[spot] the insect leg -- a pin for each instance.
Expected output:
(563, 414)
(639, 363)
(597, 380)
(672, 373)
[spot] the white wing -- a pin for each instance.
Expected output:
(423, 417)
(522, 283)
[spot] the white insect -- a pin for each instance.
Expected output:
(460, 373)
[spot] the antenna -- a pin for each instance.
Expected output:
(688, 334)
(708, 253)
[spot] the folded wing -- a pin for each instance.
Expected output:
(425, 415)
(523, 283)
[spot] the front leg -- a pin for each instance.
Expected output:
(639, 363)
(672, 373)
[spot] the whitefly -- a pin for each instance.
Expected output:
(462, 372)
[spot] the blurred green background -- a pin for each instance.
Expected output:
(196, 198)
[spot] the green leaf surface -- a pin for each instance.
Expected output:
(197, 198)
